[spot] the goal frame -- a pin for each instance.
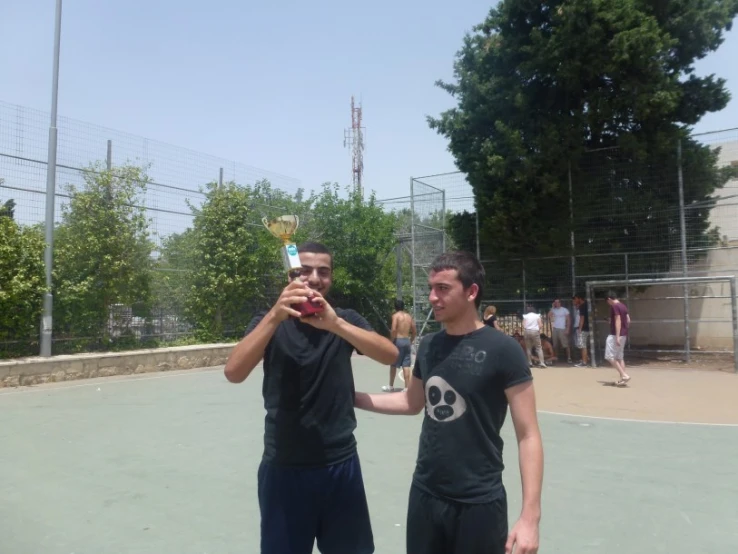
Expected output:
(591, 286)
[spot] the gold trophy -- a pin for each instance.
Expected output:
(283, 227)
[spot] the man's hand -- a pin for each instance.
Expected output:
(523, 539)
(325, 320)
(296, 292)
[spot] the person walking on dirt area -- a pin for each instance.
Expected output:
(582, 326)
(532, 325)
(615, 345)
(560, 328)
(403, 334)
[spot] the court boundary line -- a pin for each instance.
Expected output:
(626, 420)
(25, 389)
(200, 371)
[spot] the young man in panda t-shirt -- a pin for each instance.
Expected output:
(465, 377)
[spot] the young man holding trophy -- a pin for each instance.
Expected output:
(310, 481)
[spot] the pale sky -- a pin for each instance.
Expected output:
(266, 84)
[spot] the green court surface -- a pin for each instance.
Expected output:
(166, 464)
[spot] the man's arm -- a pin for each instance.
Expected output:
(618, 324)
(581, 321)
(409, 402)
(393, 330)
(369, 343)
(249, 352)
(413, 330)
(568, 322)
(521, 399)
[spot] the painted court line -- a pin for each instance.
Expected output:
(625, 420)
(44, 387)
(200, 371)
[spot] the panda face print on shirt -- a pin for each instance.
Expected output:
(443, 403)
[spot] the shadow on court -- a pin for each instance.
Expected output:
(168, 465)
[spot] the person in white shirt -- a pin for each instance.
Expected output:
(560, 328)
(532, 324)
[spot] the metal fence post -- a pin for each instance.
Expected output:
(571, 223)
(734, 309)
(109, 156)
(399, 268)
(683, 233)
(443, 221)
(48, 305)
(592, 327)
(627, 296)
(476, 225)
(524, 295)
(412, 251)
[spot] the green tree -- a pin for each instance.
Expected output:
(22, 285)
(172, 276)
(235, 264)
(361, 236)
(8, 208)
(538, 84)
(102, 252)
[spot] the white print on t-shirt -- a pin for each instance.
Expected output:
(530, 321)
(442, 402)
(559, 317)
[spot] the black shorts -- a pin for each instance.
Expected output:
(404, 352)
(299, 506)
(438, 526)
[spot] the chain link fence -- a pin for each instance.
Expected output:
(626, 221)
(175, 188)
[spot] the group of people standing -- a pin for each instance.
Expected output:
(561, 326)
(464, 379)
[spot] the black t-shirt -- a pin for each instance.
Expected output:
(465, 377)
(308, 394)
(584, 313)
(490, 320)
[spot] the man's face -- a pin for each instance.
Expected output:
(610, 301)
(316, 271)
(447, 295)
(557, 303)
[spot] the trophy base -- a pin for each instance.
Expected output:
(308, 308)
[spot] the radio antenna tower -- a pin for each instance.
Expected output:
(354, 139)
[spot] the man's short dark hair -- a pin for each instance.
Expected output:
(315, 248)
(399, 305)
(468, 267)
(612, 295)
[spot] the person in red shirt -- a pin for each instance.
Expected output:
(615, 345)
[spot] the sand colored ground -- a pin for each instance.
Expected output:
(683, 395)
(166, 463)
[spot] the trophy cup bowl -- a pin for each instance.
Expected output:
(283, 227)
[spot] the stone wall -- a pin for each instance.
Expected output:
(32, 371)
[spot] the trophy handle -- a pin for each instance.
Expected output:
(265, 221)
(297, 222)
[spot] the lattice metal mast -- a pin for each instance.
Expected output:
(354, 139)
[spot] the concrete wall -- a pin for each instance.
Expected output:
(31, 371)
(657, 314)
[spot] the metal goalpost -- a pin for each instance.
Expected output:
(591, 286)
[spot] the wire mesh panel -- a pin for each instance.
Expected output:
(626, 222)
(174, 183)
(427, 243)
